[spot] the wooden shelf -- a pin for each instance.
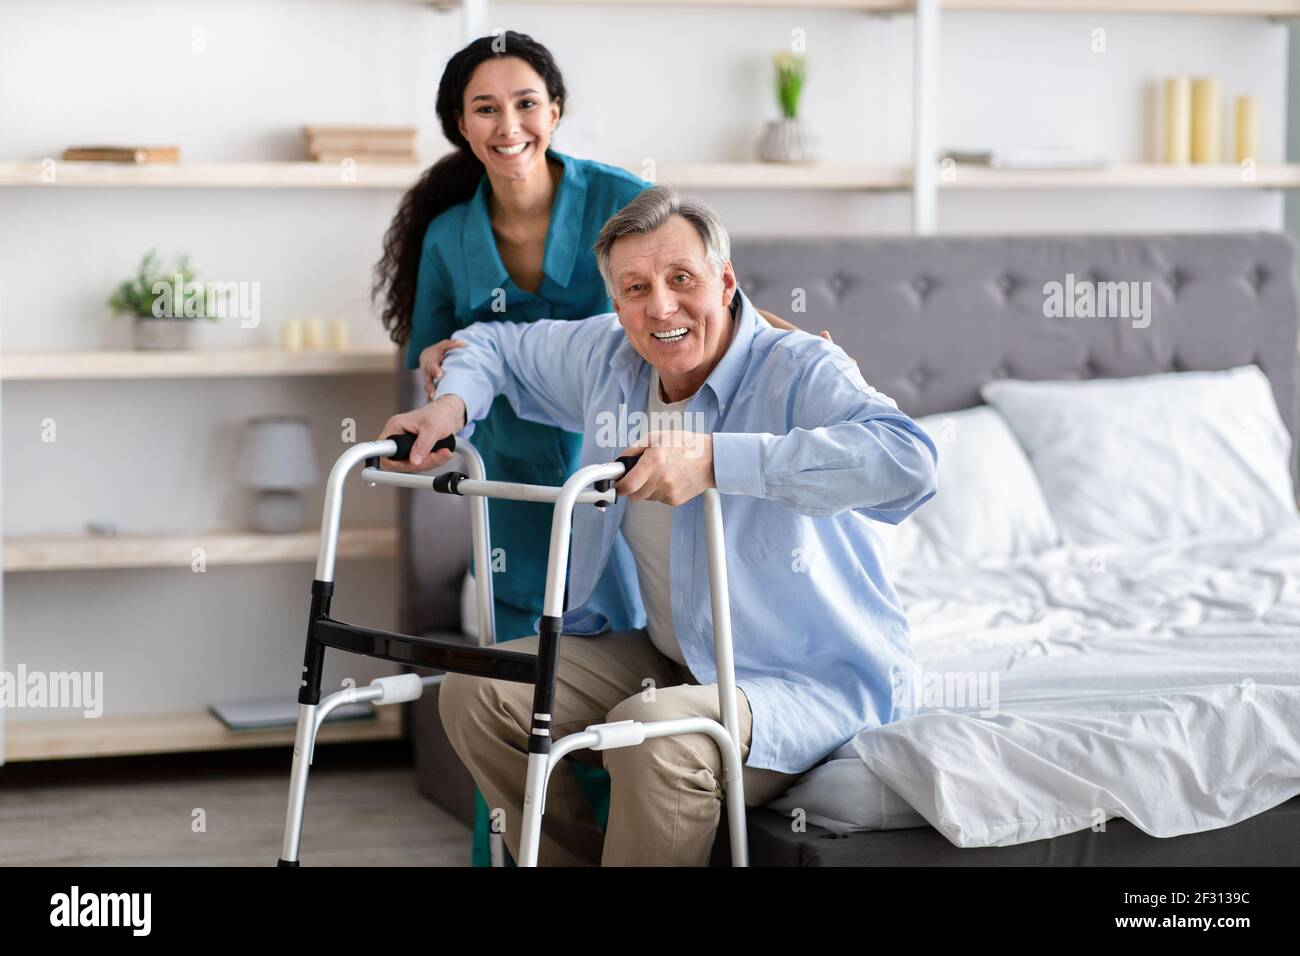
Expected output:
(865, 6)
(845, 176)
(194, 363)
(1246, 8)
(1125, 176)
(309, 176)
(744, 176)
(782, 176)
(236, 175)
(70, 552)
(171, 733)
(1234, 8)
(1208, 8)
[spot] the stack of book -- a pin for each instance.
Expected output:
(1030, 158)
(364, 144)
(122, 154)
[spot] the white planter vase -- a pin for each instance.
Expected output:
(788, 140)
(169, 334)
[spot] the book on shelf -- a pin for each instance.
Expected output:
(1025, 158)
(343, 144)
(122, 154)
(363, 132)
(360, 139)
(363, 144)
(401, 159)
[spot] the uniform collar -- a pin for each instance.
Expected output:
(724, 380)
(487, 272)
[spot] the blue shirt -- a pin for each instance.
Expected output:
(805, 455)
(462, 280)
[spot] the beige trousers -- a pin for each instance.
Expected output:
(666, 793)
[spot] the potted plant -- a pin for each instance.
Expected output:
(788, 139)
(165, 303)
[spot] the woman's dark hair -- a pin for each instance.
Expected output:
(452, 179)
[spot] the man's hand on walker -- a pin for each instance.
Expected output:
(432, 423)
(673, 467)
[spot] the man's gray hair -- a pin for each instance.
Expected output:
(649, 210)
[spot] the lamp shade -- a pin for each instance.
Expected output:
(278, 453)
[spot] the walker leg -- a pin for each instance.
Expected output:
(539, 736)
(305, 739)
(534, 806)
(303, 743)
(736, 820)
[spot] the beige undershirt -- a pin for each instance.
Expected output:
(648, 527)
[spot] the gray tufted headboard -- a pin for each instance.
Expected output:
(931, 319)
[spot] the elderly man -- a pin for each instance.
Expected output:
(805, 453)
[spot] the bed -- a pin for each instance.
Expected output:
(1145, 715)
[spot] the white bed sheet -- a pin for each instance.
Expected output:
(1160, 684)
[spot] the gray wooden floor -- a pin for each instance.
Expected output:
(362, 809)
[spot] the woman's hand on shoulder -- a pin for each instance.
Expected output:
(431, 362)
(777, 322)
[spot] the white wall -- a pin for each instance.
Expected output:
(663, 83)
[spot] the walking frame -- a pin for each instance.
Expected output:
(592, 485)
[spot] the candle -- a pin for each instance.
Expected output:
(338, 335)
(291, 335)
(1205, 120)
(1178, 119)
(311, 334)
(1247, 129)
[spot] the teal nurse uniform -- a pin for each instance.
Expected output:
(462, 280)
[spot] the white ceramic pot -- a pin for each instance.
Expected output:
(278, 511)
(788, 140)
(169, 334)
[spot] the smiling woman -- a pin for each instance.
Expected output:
(501, 229)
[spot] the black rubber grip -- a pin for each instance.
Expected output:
(406, 441)
(628, 462)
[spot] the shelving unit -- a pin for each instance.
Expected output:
(65, 738)
(77, 552)
(923, 179)
(198, 730)
(195, 363)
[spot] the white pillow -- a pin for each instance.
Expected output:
(1155, 457)
(988, 505)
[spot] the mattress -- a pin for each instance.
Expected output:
(1159, 685)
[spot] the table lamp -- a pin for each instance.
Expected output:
(278, 459)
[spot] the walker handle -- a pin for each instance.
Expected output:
(627, 461)
(405, 442)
